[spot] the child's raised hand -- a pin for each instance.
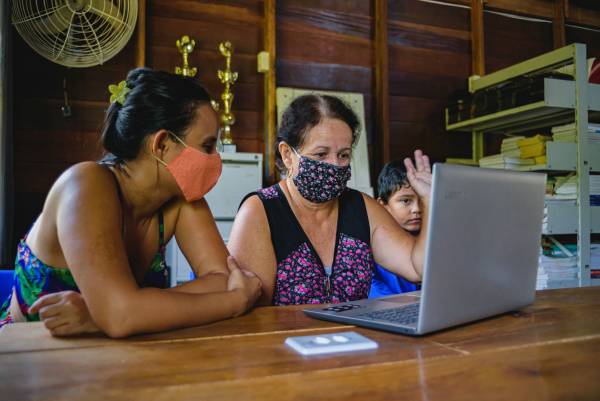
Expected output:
(419, 174)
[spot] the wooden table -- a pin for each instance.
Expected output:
(548, 351)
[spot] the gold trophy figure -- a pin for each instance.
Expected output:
(227, 78)
(186, 47)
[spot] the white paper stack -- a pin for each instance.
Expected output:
(505, 162)
(557, 272)
(567, 133)
(565, 188)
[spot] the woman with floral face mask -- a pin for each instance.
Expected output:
(94, 258)
(309, 238)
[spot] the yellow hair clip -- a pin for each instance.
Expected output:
(118, 92)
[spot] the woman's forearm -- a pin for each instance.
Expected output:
(212, 282)
(153, 310)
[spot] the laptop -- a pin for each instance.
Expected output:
(481, 258)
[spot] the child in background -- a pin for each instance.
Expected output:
(402, 202)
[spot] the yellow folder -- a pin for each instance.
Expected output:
(538, 149)
(532, 140)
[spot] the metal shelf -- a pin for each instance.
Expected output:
(545, 62)
(562, 156)
(557, 108)
(562, 218)
(564, 101)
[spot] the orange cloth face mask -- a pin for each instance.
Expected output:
(195, 172)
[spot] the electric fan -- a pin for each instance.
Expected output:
(75, 33)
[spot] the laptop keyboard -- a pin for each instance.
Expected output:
(405, 315)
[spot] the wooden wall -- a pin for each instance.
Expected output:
(326, 44)
(45, 143)
(429, 60)
(210, 23)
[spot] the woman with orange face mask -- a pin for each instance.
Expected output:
(94, 258)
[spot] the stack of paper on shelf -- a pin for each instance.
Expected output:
(557, 266)
(556, 272)
(566, 188)
(510, 146)
(510, 157)
(533, 146)
(567, 133)
(505, 162)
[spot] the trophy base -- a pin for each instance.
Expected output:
(229, 148)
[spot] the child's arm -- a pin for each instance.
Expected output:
(393, 247)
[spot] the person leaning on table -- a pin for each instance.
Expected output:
(95, 257)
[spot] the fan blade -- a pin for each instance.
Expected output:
(108, 11)
(51, 22)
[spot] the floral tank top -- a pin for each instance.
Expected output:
(301, 277)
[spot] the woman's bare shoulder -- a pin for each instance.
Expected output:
(84, 181)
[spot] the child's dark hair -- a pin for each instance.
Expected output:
(307, 111)
(392, 178)
(156, 100)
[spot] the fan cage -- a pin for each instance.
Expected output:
(75, 33)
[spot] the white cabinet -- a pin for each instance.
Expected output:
(242, 174)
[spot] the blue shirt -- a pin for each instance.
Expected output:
(387, 283)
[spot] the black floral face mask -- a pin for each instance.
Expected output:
(318, 181)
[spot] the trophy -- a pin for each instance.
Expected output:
(185, 45)
(227, 78)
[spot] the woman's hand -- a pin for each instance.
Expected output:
(64, 313)
(419, 176)
(245, 282)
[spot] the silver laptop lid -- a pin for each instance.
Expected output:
(483, 241)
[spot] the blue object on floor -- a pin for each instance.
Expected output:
(6, 284)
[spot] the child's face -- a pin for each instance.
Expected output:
(404, 206)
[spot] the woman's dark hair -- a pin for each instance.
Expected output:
(156, 100)
(307, 111)
(391, 179)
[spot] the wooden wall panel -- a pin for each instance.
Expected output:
(327, 45)
(209, 23)
(581, 12)
(509, 41)
(589, 37)
(429, 61)
(45, 142)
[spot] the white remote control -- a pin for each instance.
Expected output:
(332, 342)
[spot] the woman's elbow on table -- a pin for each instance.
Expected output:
(116, 319)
